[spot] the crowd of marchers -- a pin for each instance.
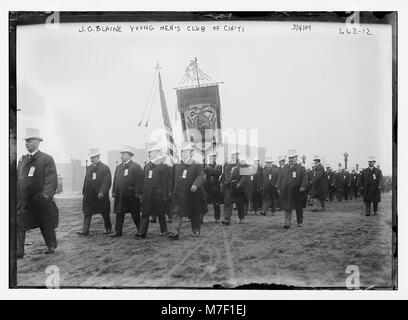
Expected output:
(170, 191)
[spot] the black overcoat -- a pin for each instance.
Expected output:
(36, 178)
(127, 187)
(98, 179)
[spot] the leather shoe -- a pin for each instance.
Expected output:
(50, 250)
(115, 235)
(174, 236)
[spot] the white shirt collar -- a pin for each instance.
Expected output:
(33, 153)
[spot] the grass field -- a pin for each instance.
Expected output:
(259, 252)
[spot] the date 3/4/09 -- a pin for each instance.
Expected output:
(301, 27)
(355, 31)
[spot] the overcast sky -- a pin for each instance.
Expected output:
(317, 91)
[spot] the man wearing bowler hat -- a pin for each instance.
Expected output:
(371, 184)
(95, 192)
(37, 183)
(292, 186)
(127, 190)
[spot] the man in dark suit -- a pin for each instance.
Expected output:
(243, 189)
(331, 179)
(318, 184)
(371, 184)
(127, 190)
(212, 174)
(95, 192)
(156, 190)
(354, 178)
(292, 186)
(269, 182)
(340, 182)
(229, 181)
(37, 182)
(256, 198)
(187, 196)
(281, 165)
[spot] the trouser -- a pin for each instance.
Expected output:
(242, 205)
(256, 200)
(355, 192)
(167, 209)
(331, 193)
(346, 192)
(375, 206)
(228, 202)
(120, 219)
(106, 221)
(195, 221)
(158, 209)
(339, 195)
(217, 210)
(319, 202)
(299, 216)
(47, 231)
(268, 201)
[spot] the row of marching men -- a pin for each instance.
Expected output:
(161, 188)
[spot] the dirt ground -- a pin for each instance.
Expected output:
(260, 251)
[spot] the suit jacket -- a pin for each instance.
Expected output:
(127, 184)
(318, 182)
(155, 184)
(370, 182)
(213, 174)
(290, 182)
(98, 179)
(186, 202)
(270, 180)
(36, 178)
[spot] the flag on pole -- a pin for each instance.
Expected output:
(166, 119)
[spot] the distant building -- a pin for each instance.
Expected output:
(72, 175)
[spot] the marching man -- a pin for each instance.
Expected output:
(36, 185)
(319, 184)
(187, 196)
(156, 191)
(270, 179)
(229, 182)
(95, 192)
(371, 184)
(292, 186)
(213, 172)
(127, 190)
